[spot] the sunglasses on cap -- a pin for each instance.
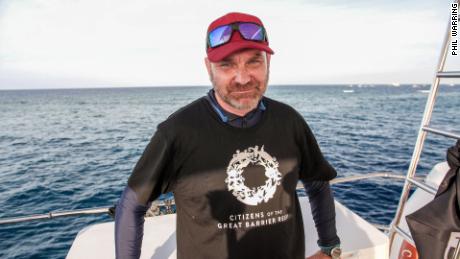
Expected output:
(248, 30)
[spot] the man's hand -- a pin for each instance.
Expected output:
(319, 255)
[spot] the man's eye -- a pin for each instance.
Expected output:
(256, 61)
(224, 64)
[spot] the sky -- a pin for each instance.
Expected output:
(118, 43)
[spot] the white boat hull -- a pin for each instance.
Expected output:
(416, 201)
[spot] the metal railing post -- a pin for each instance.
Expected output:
(421, 136)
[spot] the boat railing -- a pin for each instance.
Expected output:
(160, 207)
(424, 129)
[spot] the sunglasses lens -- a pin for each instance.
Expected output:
(251, 31)
(220, 35)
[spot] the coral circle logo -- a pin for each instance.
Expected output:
(235, 180)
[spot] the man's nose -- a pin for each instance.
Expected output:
(242, 76)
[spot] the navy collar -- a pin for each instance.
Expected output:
(228, 117)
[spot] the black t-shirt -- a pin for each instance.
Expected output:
(235, 188)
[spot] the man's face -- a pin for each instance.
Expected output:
(240, 80)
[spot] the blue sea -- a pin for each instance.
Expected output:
(74, 149)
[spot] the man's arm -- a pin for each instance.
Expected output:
(129, 225)
(323, 211)
(148, 180)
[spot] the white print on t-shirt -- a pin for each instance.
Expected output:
(235, 180)
(254, 219)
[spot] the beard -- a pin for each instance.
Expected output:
(242, 97)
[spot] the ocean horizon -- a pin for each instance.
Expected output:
(359, 85)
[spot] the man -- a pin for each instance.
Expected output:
(233, 159)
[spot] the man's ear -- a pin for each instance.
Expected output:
(208, 66)
(268, 59)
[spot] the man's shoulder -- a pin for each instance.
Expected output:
(190, 109)
(281, 108)
(285, 114)
(185, 115)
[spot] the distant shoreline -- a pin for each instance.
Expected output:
(208, 86)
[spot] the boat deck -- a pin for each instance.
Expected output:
(359, 238)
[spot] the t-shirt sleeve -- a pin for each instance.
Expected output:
(152, 175)
(314, 167)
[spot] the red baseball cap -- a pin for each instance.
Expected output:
(236, 41)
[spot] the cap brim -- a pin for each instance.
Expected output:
(223, 51)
